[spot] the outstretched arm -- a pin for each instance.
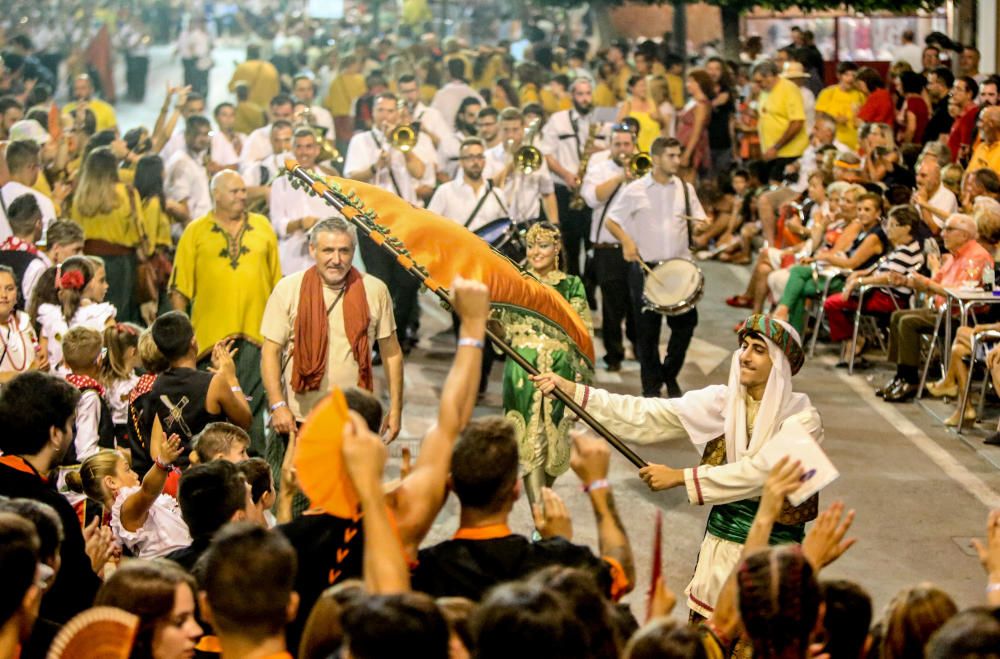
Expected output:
(136, 507)
(420, 496)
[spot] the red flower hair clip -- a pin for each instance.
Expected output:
(72, 280)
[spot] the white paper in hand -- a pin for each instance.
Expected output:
(819, 471)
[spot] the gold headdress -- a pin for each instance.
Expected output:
(542, 231)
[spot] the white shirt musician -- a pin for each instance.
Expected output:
(650, 219)
(371, 158)
(528, 194)
(566, 134)
(470, 200)
(258, 146)
(294, 212)
(227, 144)
(304, 90)
(465, 127)
(429, 121)
(185, 177)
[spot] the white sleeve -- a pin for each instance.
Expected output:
(696, 207)
(744, 478)
(637, 419)
(280, 211)
(30, 278)
(621, 208)
(178, 186)
(549, 142)
(588, 189)
(88, 417)
(357, 157)
(439, 202)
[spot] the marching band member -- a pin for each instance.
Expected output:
(653, 212)
(605, 182)
(259, 175)
(227, 143)
(428, 119)
(186, 177)
(372, 158)
(565, 140)
(465, 126)
(294, 212)
(304, 91)
(258, 145)
(528, 194)
(471, 199)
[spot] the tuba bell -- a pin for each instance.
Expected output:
(639, 164)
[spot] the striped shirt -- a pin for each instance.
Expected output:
(904, 260)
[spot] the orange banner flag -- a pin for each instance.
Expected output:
(444, 249)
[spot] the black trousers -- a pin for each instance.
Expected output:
(655, 372)
(575, 228)
(136, 71)
(611, 271)
(403, 286)
(195, 77)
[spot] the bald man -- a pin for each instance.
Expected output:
(987, 154)
(224, 270)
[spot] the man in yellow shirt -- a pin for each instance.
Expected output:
(224, 270)
(987, 154)
(83, 92)
(260, 75)
(782, 123)
(842, 102)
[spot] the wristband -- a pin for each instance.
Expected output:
(160, 464)
(600, 484)
(471, 342)
(280, 403)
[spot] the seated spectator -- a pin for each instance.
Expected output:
(247, 595)
(484, 552)
(25, 581)
(965, 260)
(163, 596)
(979, 183)
(36, 412)
(220, 441)
(145, 521)
(905, 259)
(392, 625)
(912, 618)
(186, 399)
(210, 496)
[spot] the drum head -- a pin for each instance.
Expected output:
(674, 285)
(493, 231)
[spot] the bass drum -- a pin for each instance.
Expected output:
(506, 238)
(673, 287)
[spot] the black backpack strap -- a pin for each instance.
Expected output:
(687, 214)
(479, 204)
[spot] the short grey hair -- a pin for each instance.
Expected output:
(333, 225)
(766, 68)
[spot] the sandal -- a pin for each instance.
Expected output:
(740, 301)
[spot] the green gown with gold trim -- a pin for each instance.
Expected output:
(541, 428)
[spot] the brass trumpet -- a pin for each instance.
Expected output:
(639, 164)
(404, 137)
(528, 158)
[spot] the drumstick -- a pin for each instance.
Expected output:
(649, 271)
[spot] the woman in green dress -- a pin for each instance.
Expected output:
(541, 426)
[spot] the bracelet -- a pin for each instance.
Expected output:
(471, 342)
(600, 484)
(280, 403)
(160, 464)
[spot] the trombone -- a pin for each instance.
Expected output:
(404, 137)
(327, 148)
(639, 164)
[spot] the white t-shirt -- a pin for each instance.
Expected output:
(163, 531)
(11, 191)
(945, 200)
(187, 180)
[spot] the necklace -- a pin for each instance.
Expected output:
(7, 345)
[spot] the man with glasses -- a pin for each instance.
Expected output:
(934, 201)
(965, 262)
(650, 218)
(603, 183)
(470, 200)
(963, 130)
(528, 194)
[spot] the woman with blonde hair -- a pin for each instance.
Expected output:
(114, 226)
(640, 106)
(912, 618)
(659, 93)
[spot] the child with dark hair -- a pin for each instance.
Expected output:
(67, 296)
(846, 619)
(21, 595)
(262, 492)
(392, 625)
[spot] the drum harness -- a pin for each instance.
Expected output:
(482, 200)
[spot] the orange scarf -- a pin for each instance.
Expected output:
(312, 340)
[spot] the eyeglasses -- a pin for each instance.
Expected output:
(476, 157)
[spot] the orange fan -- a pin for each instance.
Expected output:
(55, 122)
(102, 632)
(318, 459)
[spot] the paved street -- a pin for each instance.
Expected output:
(920, 490)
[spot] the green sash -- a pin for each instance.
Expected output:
(732, 522)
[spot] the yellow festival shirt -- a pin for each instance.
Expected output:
(104, 114)
(344, 90)
(157, 223)
(986, 156)
(838, 103)
(778, 108)
(262, 79)
(227, 279)
(118, 226)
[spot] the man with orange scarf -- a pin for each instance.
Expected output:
(319, 328)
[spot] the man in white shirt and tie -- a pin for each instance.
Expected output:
(564, 141)
(603, 184)
(650, 218)
(294, 212)
(528, 194)
(470, 200)
(371, 158)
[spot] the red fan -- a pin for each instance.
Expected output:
(319, 461)
(55, 122)
(102, 632)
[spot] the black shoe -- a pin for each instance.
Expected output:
(993, 439)
(901, 393)
(891, 384)
(614, 368)
(673, 389)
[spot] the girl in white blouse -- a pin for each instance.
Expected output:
(144, 520)
(17, 338)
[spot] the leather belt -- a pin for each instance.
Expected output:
(607, 245)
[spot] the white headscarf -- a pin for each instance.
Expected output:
(722, 410)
